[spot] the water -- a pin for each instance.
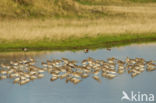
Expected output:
(87, 91)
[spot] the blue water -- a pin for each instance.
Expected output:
(88, 90)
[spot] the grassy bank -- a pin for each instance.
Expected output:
(74, 43)
(61, 34)
(28, 9)
(75, 24)
(61, 29)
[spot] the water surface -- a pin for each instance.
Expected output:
(87, 91)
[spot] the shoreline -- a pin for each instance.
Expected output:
(75, 43)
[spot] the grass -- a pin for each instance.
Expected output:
(114, 2)
(74, 43)
(28, 9)
(61, 29)
(69, 24)
(75, 34)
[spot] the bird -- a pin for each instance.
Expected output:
(97, 79)
(108, 49)
(24, 71)
(25, 49)
(86, 50)
(134, 74)
(85, 75)
(54, 78)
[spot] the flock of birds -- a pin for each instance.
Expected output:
(25, 71)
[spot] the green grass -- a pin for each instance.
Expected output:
(77, 43)
(110, 2)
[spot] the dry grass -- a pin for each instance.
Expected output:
(132, 19)
(60, 8)
(66, 28)
(25, 30)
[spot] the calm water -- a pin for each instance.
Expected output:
(87, 91)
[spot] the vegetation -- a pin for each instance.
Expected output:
(74, 43)
(114, 2)
(69, 24)
(61, 8)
